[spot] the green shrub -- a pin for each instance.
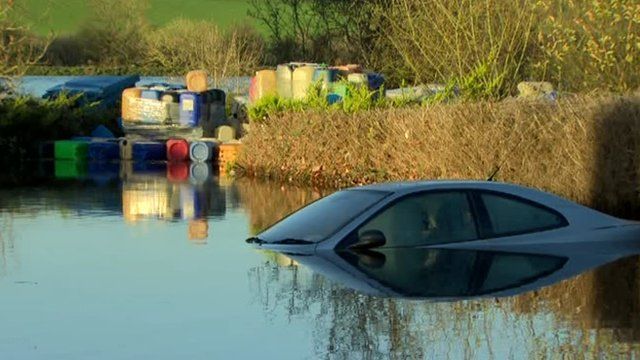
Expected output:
(25, 121)
(358, 98)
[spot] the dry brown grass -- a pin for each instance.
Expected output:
(583, 148)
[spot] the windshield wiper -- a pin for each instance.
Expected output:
(293, 242)
(255, 240)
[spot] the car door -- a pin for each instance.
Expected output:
(423, 219)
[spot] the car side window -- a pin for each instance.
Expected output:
(510, 216)
(425, 219)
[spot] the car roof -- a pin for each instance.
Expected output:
(412, 186)
(575, 213)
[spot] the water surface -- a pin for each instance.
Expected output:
(130, 262)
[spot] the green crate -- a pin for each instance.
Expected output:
(71, 150)
(70, 169)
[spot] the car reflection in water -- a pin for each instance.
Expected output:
(449, 240)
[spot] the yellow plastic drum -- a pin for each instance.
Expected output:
(302, 80)
(197, 81)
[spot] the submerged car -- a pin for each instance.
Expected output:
(443, 216)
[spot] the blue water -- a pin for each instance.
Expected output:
(38, 85)
(138, 264)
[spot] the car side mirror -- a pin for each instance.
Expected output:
(369, 239)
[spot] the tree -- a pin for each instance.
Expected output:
(19, 49)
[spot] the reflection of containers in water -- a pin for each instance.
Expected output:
(104, 150)
(284, 79)
(177, 172)
(126, 149)
(103, 172)
(177, 150)
(326, 76)
(199, 172)
(153, 169)
(128, 103)
(142, 170)
(148, 151)
(71, 150)
(188, 201)
(202, 151)
(70, 169)
(190, 109)
(149, 199)
(264, 84)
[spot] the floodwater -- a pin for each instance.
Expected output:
(38, 85)
(135, 262)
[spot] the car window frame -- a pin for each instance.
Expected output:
(350, 220)
(486, 227)
(352, 237)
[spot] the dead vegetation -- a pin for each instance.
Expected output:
(584, 148)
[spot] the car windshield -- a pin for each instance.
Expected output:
(321, 219)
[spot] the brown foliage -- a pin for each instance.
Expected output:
(583, 148)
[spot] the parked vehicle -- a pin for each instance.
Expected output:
(410, 222)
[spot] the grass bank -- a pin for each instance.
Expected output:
(67, 16)
(585, 148)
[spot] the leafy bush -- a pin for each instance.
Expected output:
(114, 34)
(185, 45)
(441, 40)
(25, 121)
(588, 45)
(359, 98)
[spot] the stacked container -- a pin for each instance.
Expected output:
(263, 84)
(148, 151)
(177, 150)
(163, 110)
(302, 81)
(202, 151)
(284, 78)
(104, 151)
(191, 105)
